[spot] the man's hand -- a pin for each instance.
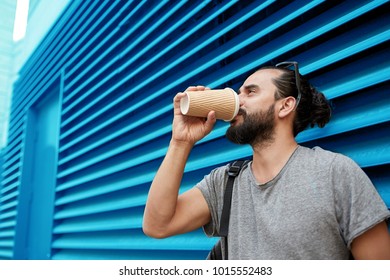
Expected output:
(190, 129)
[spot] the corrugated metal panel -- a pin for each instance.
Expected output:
(122, 62)
(27, 91)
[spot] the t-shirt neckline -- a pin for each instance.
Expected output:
(273, 181)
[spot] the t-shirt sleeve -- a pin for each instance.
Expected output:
(212, 187)
(359, 206)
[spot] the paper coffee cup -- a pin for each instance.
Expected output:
(224, 102)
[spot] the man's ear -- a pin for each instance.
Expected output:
(287, 106)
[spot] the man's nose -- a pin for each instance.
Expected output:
(241, 99)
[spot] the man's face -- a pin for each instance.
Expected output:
(255, 122)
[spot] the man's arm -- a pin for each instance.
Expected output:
(374, 244)
(167, 213)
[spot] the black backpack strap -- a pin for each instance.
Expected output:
(233, 171)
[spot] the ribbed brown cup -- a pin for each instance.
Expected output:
(224, 102)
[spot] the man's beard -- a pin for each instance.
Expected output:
(256, 129)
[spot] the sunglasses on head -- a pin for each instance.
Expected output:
(288, 65)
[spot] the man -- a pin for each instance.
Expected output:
(290, 202)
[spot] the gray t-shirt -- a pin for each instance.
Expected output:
(313, 209)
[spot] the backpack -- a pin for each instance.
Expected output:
(216, 251)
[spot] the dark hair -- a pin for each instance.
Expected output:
(313, 108)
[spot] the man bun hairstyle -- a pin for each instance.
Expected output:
(313, 108)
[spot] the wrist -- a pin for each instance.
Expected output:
(181, 144)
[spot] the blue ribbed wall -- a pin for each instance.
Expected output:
(110, 69)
